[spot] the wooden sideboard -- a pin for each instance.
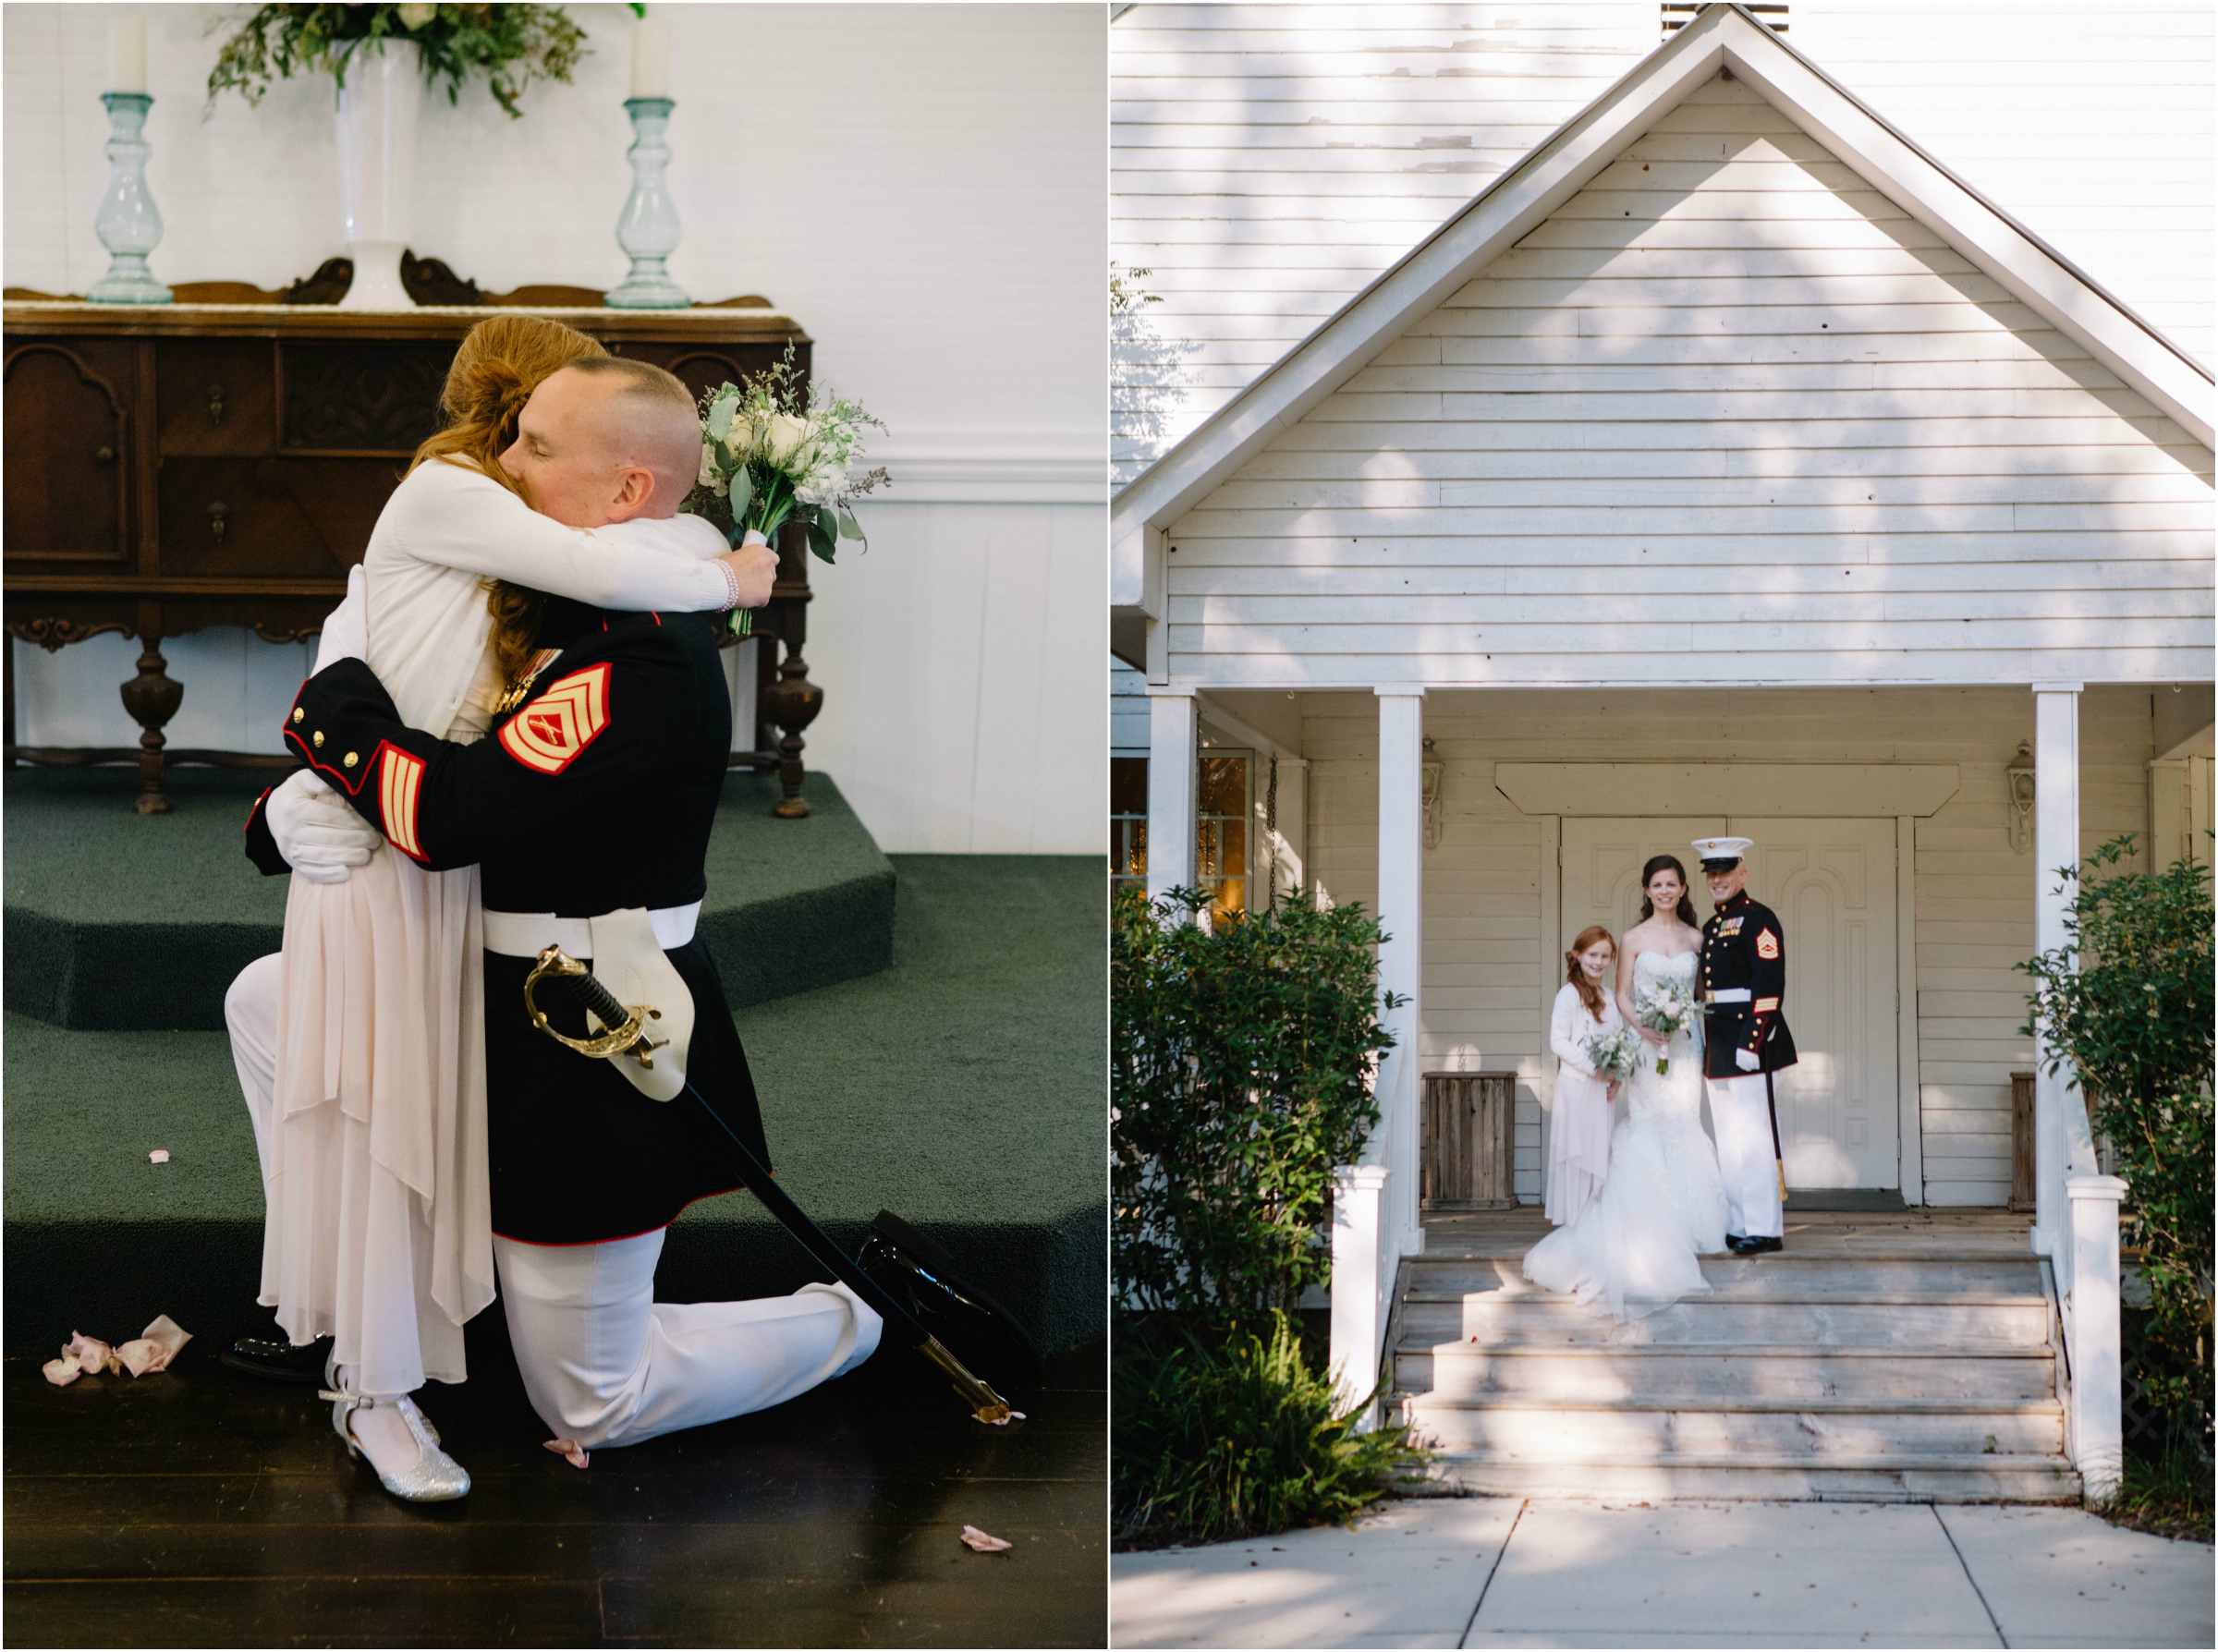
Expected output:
(170, 467)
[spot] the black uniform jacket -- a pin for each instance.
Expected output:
(1744, 948)
(597, 793)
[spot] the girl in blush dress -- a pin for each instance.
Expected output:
(1578, 1144)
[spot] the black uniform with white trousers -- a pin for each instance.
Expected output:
(596, 796)
(1743, 985)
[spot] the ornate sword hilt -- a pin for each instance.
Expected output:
(626, 1024)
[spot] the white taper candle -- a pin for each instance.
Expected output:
(127, 54)
(650, 59)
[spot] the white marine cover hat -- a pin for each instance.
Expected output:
(1719, 854)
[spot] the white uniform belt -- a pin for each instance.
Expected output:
(525, 934)
(1723, 995)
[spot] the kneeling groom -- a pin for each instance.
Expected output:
(1743, 983)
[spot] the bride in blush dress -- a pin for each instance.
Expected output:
(1634, 1248)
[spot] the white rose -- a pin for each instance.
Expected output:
(785, 437)
(416, 16)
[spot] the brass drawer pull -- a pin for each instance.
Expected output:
(106, 455)
(216, 393)
(219, 517)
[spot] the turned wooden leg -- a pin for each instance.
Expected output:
(152, 699)
(794, 704)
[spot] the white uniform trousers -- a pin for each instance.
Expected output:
(1740, 1109)
(606, 1364)
(250, 1014)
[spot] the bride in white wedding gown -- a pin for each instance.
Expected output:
(1633, 1249)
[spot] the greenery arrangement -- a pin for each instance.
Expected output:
(1236, 1437)
(514, 45)
(1241, 1058)
(1240, 1064)
(2128, 1001)
(772, 450)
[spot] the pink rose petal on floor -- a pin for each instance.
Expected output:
(568, 1451)
(61, 1372)
(983, 1542)
(155, 1347)
(90, 1354)
(159, 1156)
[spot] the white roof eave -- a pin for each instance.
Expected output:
(1522, 199)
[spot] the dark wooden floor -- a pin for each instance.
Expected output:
(197, 1508)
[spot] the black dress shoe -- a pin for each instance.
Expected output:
(270, 1356)
(1757, 1246)
(1734, 1241)
(970, 1324)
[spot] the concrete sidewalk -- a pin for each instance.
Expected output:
(1498, 1572)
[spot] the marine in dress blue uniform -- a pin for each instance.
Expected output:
(596, 796)
(1742, 983)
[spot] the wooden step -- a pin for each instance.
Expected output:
(1536, 1428)
(1801, 1276)
(1782, 1371)
(1887, 1477)
(1910, 1320)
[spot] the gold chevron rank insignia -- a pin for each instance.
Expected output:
(549, 733)
(399, 784)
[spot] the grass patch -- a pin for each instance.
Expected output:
(2167, 1495)
(1236, 1433)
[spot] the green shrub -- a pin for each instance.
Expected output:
(2127, 1003)
(1240, 1067)
(1232, 1436)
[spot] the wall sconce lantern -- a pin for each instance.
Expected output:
(2020, 776)
(1432, 772)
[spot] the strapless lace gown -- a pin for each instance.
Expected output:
(1632, 1250)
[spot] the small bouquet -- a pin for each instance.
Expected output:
(772, 452)
(1665, 1007)
(1612, 1054)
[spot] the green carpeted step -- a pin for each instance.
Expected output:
(963, 1086)
(125, 922)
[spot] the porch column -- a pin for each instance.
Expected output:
(2056, 844)
(1172, 743)
(1400, 914)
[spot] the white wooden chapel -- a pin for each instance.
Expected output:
(1727, 463)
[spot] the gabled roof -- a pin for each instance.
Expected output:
(1722, 36)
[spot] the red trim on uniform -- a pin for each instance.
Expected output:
(257, 807)
(351, 783)
(654, 616)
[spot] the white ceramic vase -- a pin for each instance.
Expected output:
(379, 101)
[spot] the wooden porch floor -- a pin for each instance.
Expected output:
(1954, 1233)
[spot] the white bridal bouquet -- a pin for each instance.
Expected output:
(1612, 1054)
(771, 452)
(1665, 1007)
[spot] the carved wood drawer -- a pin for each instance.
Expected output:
(215, 396)
(365, 398)
(289, 517)
(67, 435)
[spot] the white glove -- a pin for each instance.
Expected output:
(1745, 1061)
(346, 627)
(318, 834)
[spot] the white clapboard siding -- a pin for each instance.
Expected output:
(1268, 161)
(1909, 478)
(2062, 115)
(1484, 1002)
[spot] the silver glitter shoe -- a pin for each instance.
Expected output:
(433, 1477)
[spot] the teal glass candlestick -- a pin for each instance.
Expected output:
(128, 225)
(648, 226)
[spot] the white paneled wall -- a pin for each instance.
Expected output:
(1485, 1003)
(1270, 158)
(1728, 414)
(921, 185)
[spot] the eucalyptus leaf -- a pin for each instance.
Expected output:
(848, 527)
(720, 415)
(742, 494)
(820, 541)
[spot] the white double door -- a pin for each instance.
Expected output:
(1831, 884)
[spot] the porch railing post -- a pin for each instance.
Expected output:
(2098, 1376)
(2056, 844)
(1173, 753)
(1401, 914)
(1361, 1253)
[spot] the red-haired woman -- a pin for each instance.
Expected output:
(1578, 1141)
